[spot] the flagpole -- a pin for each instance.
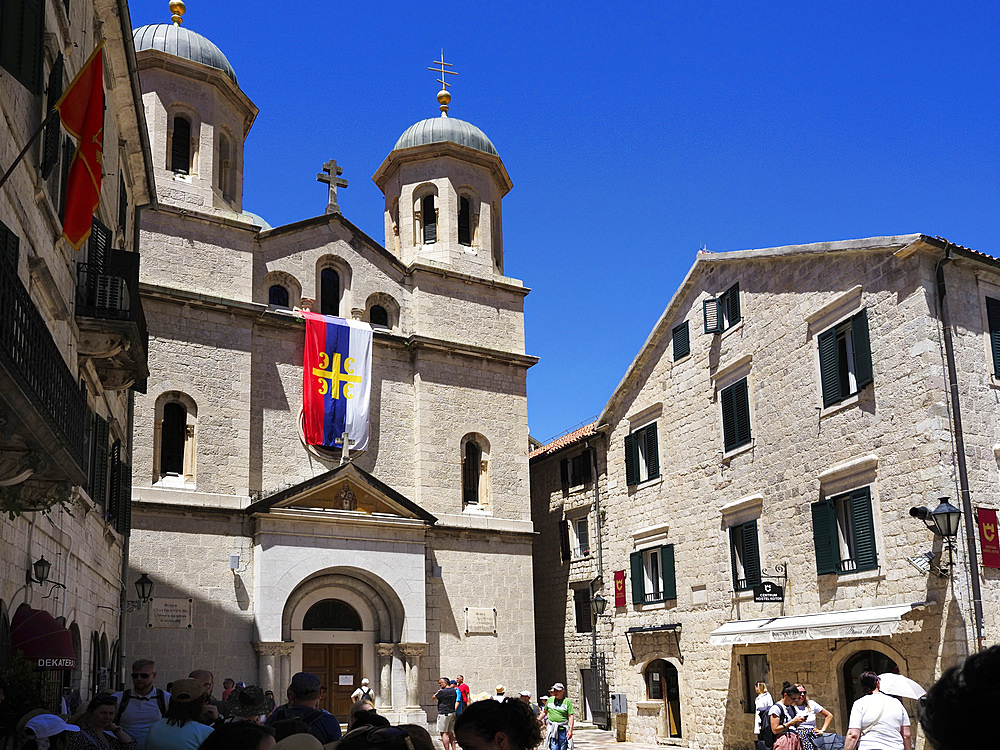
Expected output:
(34, 137)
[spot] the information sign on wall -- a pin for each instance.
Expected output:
(170, 613)
(480, 621)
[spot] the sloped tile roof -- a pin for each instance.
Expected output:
(568, 439)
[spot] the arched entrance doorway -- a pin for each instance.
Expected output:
(860, 662)
(662, 685)
(338, 664)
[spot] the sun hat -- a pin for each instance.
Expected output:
(247, 701)
(525, 693)
(187, 690)
(501, 689)
(48, 725)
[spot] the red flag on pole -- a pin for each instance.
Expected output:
(81, 108)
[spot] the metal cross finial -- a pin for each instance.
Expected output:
(330, 175)
(443, 80)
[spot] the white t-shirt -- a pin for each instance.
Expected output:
(784, 713)
(809, 712)
(762, 703)
(884, 733)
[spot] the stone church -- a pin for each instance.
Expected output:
(404, 561)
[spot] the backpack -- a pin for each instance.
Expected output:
(766, 733)
(127, 696)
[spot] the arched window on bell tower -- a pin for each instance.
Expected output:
(429, 215)
(180, 147)
(464, 221)
(173, 435)
(329, 292)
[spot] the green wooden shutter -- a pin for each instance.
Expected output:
(828, 371)
(631, 460)
(728, 418)
(751, 554)
(682, 341)
(564, 550)
(123, 519)
(652, 455)
(824, 518)
(586, 468)
(733, 304)
(713, 318)
(22, 36)
(564, 473)
(734, 544)
(50, 144)
(993, 320)
(862, 349)
(99, 462)
(114, 486)
(9, 248)
(638, 582)
(668, 571)
(863, 524)
(741, 402)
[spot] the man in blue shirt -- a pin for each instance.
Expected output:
(303, 703)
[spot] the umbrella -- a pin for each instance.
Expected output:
(901, 687)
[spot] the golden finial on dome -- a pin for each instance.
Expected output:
(443, 97)
(177, 11)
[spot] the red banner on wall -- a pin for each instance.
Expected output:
(619, 588)
(989, 537)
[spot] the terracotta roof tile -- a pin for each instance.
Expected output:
(568, 439)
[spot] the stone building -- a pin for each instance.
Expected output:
(406, 561)
(787, 410)
(72, 347)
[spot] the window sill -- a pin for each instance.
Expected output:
(726, 455)
(851, 400)
(580, 558)
(859, 575)
(652, 606)
(649, 705)
(175, 481)
(732, 329)
(994, 381)
(646, 483)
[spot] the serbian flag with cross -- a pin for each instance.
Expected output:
(81, 109)
(336, 381)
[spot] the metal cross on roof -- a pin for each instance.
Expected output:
(444, 73)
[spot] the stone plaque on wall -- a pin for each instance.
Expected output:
(170, 613)
(480, 621)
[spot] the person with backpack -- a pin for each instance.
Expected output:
(303, 703)
(783, 719)
(762, 704)
(144, 705)
(363, 693)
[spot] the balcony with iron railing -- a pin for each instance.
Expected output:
(41, 399)
(111, 320)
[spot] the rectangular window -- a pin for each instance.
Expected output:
(22, 40)
(682, 341)
(581, 537)
(575, 471)
(736, 415)
(755, 670)
(581, 605)
(993, 321)
(723, 312)
(844, 533)
(745, 555)
(642, 460)
(653, 575)
(845, 359)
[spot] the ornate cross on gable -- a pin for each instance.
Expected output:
(331, 175)
(345, 448)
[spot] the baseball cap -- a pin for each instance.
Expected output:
(364, 681)
(187, 690)
(525, 693)
(305, 684)
(558, 686)
(48, 725)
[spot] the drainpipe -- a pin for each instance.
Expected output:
(963, 472)
(597, 510)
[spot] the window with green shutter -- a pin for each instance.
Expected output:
(735, 415)
(682, 341)
(642, 457)
(575, 471)
(845, 359)
(844, 533)
(993, 320)
(98, 481)
(654, 577)
(722, 312)
(745, 555)
(9, 248)
(22, 40)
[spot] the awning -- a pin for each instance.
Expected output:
(855, 623)
(42, 640)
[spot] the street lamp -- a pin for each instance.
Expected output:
(41, 568)
(144, 588)
(943, 522)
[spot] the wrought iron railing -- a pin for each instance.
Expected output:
(651, 597)
(29, 353)
(111, 291)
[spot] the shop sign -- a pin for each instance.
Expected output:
(989, 538)
(619, 588)
(768, 591)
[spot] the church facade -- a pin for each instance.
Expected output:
(400, 562)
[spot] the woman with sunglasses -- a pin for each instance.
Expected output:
(809, 709)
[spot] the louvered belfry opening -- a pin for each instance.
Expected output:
(180, 147)
(172, 438)
(429, 215)
(464, 221)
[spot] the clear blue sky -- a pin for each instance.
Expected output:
(635, 133)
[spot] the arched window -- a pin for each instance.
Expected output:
(863, 661)
(662, 685)
(429, 215)
(470, 473)
(4, 636)
(180, 148)
(378, 317)
(464, 221)
(329, 292)
(172, 436)
(277, 296)
(225, 167)
(331, 614)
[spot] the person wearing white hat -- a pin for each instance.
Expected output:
(47, 732)
(499, 695)
(525, 696)
(363, 693)
(559, 715)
